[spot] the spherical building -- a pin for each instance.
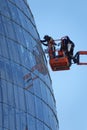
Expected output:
(26, 96)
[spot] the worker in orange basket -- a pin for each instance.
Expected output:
(67, 46)
(51, 45)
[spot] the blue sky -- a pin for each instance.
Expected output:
(58, 18)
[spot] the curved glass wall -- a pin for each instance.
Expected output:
(26, 97)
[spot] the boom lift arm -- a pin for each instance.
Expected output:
(77, 58)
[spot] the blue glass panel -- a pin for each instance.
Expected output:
(14, 13)
(25, 57)
(3, 47)
(17, 2)
(52, 121)
(18, 121)
(10, 49)
(4, 91)
(16, 53)
(17, 74)
(27, 24)
(23, 15)
(16, 97)
(28, 40)
(12, 1)
(31, 123)
(2, 68)
(22, 120)
(39, 108)
(1, 128)
(14, 71)
(49, 97)
(30, 102)
(33, 61)
(12, 123)
(43, 91)
(22, 19)
(1, 114)
(13, 51)
(19, 53)
(40, 125)
(1, 38)
(46, 113)
(27, 62)
(36, 85)
(0, 91)
(26, 10)
(46, 128)
(8, 71)
(28, 82)
(34, 32)
(8, 26)
(2, 31)
(10, 94)
(18, 77)
(21, 98)
(19, 34)
(4, 8)
(5, 116)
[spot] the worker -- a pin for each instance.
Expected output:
(51, 45)
(68, 47)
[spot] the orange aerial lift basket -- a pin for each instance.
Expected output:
(60, 62)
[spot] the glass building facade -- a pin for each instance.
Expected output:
(26, 96)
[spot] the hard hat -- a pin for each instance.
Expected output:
(46, 37)
(67, 38)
